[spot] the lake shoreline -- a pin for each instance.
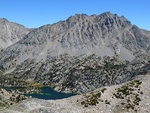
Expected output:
(45, 92)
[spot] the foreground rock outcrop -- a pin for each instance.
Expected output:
(132, 97)
(9, 98)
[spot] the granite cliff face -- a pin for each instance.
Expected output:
(10, 33)
(78, 54)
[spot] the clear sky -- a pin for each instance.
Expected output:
(35, 13)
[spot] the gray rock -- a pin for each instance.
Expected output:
(107, 101)
(10, 33)
(53, 54)
(104, 35)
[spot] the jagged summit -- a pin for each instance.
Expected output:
(104, 15)
(107, 13)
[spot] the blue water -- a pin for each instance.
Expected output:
(49, 94)
(13, 88)
(46, 93)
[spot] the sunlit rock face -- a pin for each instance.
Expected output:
(10, 33)
(105, 35)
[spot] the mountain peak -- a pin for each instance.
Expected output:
(107, 12)
(124, 18)
(3, 20)
(77, 17)
(10, 32)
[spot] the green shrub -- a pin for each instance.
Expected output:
(102, 90)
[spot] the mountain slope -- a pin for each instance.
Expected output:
(10, 33)
(102, 100)
(79, 54)
(104, 35)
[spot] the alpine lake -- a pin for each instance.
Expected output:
(46, 93)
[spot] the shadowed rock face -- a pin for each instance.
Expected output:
(10, 33)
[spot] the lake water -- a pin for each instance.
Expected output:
(46, 93)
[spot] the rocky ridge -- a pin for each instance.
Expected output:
(10, 33)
